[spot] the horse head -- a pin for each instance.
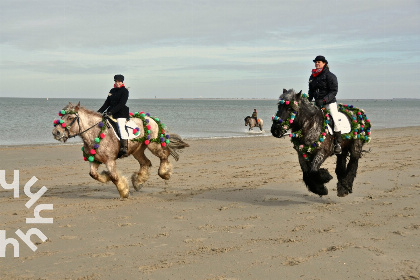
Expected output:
(247, 120)
(288, 107)
(68, 124)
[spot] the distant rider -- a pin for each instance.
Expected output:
(254, 116)
(323, 87)
(115, 106)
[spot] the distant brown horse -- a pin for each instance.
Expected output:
(253, 123)
(100, 145)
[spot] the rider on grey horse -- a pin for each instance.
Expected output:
(323, 87)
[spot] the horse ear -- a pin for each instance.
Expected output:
(299, 93)
(76, 109)
(284, 90)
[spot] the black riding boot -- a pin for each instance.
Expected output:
(123, 148)
(337, 142)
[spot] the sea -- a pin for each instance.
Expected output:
(29, 121)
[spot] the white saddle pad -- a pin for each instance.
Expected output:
(343, 122)
(130, 126)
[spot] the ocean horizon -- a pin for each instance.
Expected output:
(29, 121)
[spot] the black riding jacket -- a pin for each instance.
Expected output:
(324, 87)
(115, 103)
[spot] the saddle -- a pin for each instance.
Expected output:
(130, 126)
(344, 123)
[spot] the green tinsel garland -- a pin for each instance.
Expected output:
(360, 124)
(162, 138)
(307, 150)
(91, 156)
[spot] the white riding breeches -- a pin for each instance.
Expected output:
(334, 114)
(121, 125)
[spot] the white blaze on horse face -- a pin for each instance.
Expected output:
(58, 135)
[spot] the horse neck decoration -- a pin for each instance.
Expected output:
(313, 143)
(100, 145)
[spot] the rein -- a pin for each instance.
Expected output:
(285, 124)
(78, 123)
(295, 137)
(67, 127)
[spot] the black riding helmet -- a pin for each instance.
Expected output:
(321, 58)
(119, 78)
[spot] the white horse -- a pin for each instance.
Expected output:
(252, 123)
(101, 145)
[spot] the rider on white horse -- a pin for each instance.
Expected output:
(254, 115)
(115, 106)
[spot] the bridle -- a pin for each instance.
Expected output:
(284, 125)
(77, 118)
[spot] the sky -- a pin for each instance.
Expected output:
(207, 49)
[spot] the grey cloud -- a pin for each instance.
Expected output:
(92, 24)
(60, 67)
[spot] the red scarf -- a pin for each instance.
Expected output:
(115, 86)
(316, 72)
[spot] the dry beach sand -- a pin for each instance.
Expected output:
(234, 209)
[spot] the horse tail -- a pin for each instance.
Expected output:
(176, 143)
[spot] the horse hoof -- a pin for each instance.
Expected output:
(342, 194)
(138, 187)
(324, 176)
(125, 196)
(319, 190)
(343, 190)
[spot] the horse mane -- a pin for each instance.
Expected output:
(309, 107)
(72, 107)
(308, 115)
(288, 94)
(291, 96)
(90, 111)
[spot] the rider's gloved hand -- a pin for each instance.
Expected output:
(320, 103)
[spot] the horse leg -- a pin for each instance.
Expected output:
(103, 177)
(314, 176)
(341, 171)
(139, 178)
(345, 184)
(120, 181)
(165, 168)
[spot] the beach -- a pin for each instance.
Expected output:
(235, 208)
